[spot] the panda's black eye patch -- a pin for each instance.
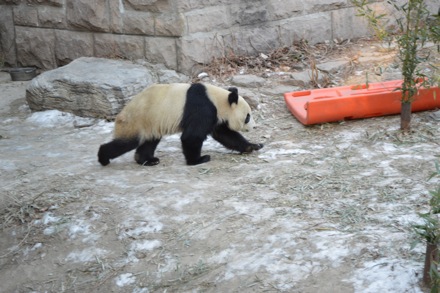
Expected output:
(248, 118)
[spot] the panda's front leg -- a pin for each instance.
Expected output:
(234, 140)
(192, 148)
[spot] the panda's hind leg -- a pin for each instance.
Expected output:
(145, 153)
(115, 148)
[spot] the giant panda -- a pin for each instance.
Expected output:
(196, 110)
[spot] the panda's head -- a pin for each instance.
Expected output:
(240, 116)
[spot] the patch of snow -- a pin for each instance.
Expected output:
(81, 227)
(140, 290)
(50, 230)
(37, 246)
(103, 126)
(389, 148)
(8, 165)
(85, 255)
(273, 154)
(26, 250)
(9, 120)
(121, 7)
(49, 218)
(283, 259)
(387, 275)
(388, 170)
(145, 245)
(125, 279)
(334, 250)
(55, 118)
(185, 200)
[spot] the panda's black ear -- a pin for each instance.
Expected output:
(233, 90)
(233, 96)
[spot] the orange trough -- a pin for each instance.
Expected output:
(355, 102)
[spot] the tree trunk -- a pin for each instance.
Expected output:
(431, 257)
(405, 116)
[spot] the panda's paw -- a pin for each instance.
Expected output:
(253, 147)
(103, 159)
(150, 162)
(257, 146)
(104, 162)
(204, 159)
(201, 160)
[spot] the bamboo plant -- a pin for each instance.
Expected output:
(415, 27)
(429, 232)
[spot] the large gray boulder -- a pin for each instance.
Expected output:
(89, 87)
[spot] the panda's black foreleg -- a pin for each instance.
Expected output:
(192, 149)
(115, 148)
(145, 153)
(233, 140)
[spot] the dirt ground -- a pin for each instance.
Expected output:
(324, 208)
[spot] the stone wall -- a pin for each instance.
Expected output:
(178, 33)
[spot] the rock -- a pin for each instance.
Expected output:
(202, 75)
(435, 115)
(88, 87)
(171, 76)
(163, 74)
(333, 66)
(304, 78)
(95, 87)
(392, 74)
(248, 80)
(4, 77)
(279, 90)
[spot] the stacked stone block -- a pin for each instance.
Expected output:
(182, 34)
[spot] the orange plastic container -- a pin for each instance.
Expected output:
(355, 102)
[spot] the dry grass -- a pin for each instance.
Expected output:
(296, 57)
(22, 209)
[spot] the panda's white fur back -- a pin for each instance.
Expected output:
(153, 113)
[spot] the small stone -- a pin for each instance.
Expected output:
(248, 80)
(202, 75)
